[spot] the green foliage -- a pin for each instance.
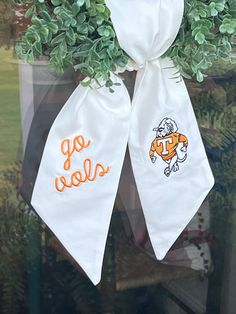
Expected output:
(79, 33)
(16, 229)
(73, 33)
(214, 103)
(215, 106)
(207, 34)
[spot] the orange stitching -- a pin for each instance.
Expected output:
(76, 181)
(63, 181)
(101, 174)
(78, 140)
(76, 177)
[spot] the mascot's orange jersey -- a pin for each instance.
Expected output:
(166, 146)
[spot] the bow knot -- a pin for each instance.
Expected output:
(148, 61)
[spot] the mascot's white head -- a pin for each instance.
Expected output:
(166, 127)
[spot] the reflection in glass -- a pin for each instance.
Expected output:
(38, 276)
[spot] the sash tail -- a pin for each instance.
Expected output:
(168, 158)
(169, 162)
(78, 177)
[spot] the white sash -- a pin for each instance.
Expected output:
(80, 169)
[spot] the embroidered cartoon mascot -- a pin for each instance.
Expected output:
(169, 145)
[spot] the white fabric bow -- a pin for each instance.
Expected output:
(78, 177)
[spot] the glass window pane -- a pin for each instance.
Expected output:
(37, 275)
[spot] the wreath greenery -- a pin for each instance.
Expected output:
(79, 33)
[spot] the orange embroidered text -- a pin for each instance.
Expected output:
(81, 176)
(78, 145)
(88, 173)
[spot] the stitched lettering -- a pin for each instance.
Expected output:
(164, 142)
(78, 145)
(88, 173)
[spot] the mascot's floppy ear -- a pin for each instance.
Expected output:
(172, 126)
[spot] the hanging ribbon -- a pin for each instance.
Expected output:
(77, 181)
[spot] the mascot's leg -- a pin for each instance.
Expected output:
(174, 166)
(167, 170)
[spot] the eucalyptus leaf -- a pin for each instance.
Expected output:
(56, 2)
(80, 33)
